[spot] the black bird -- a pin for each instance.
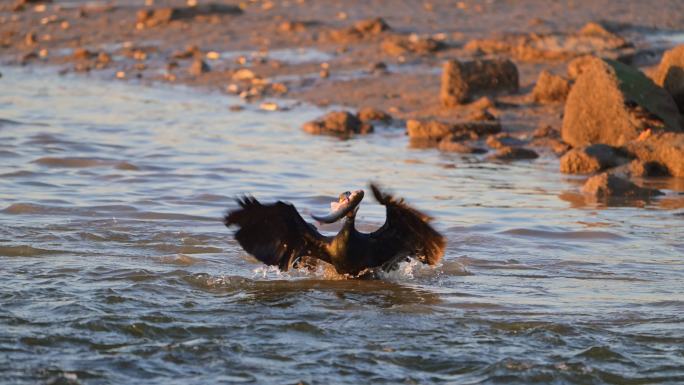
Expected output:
(277, 235)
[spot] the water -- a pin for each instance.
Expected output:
(117, 269)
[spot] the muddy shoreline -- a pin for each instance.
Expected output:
(348, 54)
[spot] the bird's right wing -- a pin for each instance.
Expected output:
(275, 233)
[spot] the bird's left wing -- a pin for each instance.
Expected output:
(275, 233)
(407, 231)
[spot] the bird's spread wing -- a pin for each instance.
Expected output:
(407, 231)
(274, 233)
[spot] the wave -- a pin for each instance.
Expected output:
(74, 162)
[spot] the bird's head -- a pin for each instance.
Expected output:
(345, 206)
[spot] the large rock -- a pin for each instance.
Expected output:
(434, 131)
(339, 123)
(670, 74)
(579, 65)
(613, 103)
(463, 81)
(605, 186)
(666, 149)
(597, 157)
(550, 88)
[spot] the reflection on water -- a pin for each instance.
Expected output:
(115, 264)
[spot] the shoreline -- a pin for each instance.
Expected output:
(348, 55)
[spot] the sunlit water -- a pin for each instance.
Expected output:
(116, 268)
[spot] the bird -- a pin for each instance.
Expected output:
(277, 235)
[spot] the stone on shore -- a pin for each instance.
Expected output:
(641, 168)
(504, 140)
(613, 103)
(449, 144)
(341, 123)
(83, 54)
(593, 158)
(593, 38)
(666, 149)
(463, 81)
(508, 153)
(362, 29)
(605, 186)
(19, 5)
(414, 44)
(550, 88)
(670, 74)
(154, 17)
(198, 67)
(434, 131)
(369, 114)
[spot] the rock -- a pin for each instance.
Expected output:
(360, 30)
(153, 17)
(593, 28)
(434, 131)
(550, 88)
(462, 81)
(378, 68)
(401, 45)
(580, 64)
(670, 74)
(605, 186)
(592, 39)
(30, 39)
(337, 123)
(504, 140)
(244, 74)
(545, 131)
(189, 52)
(546, 136)
(640, 168)
(19, 5)
(198, 67)
(448, 145)
(513, 153)
(27, 57)
(82, 54)
(296, 26)
(613, 103)
(371, 26)
(666, 149)
(367, 114)
(483, 103)
(597, 157)
(481, 115)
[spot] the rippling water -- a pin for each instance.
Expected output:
(115, 267)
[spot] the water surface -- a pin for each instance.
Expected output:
(117, 269)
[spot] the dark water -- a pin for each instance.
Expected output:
(115, 267)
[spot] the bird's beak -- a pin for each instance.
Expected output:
(347, 202)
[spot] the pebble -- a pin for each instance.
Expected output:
(269, 106)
